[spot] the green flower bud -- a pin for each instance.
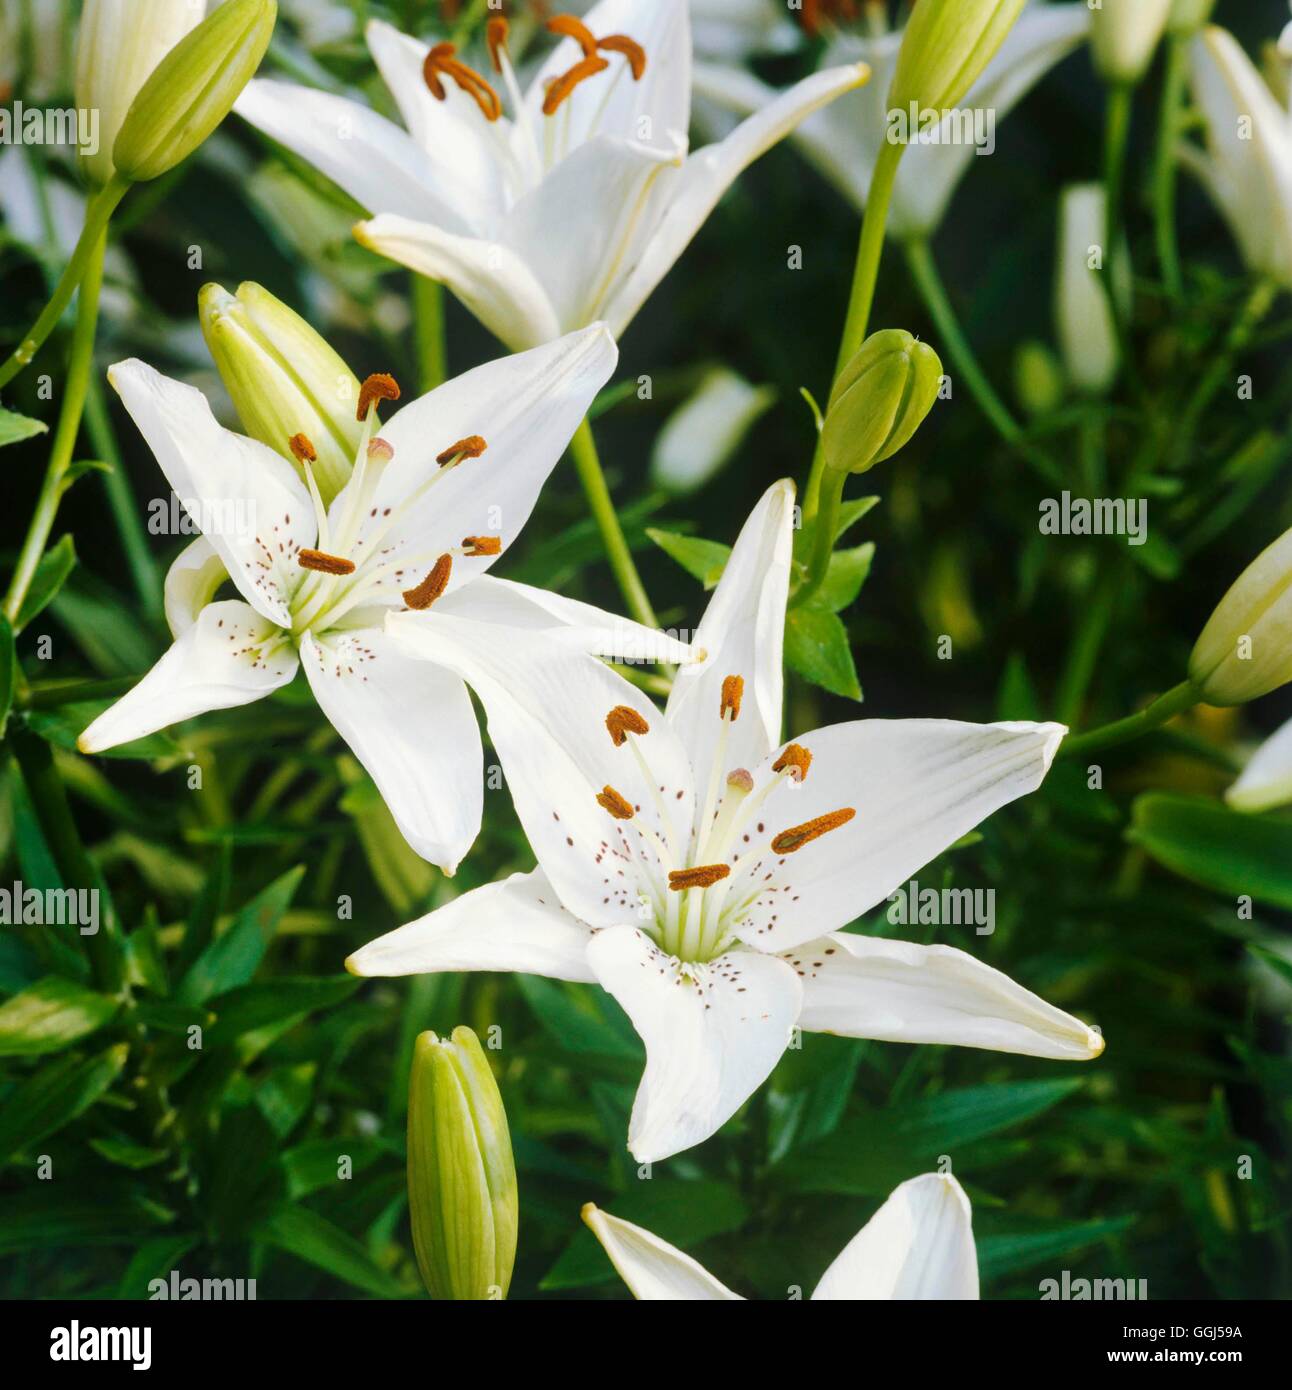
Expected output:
(1245, 650)
(946, 46)
(461, 1177)
(193, 88)
(1188, 16)
(118, 45)
(879, 400)
(1038, 379)
(1124, 35)
(284, 379)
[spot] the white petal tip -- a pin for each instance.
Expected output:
(352, 965)
(1095, 1042)
(862, 74)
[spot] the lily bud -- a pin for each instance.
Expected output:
(1245, 650)
(461, 1176)
(284, 379)
(1188, 16)
(880, 400)
(945, 47)
(1038, 378)
(193, 88)
(1087, 333)
(1124, 35)
(118, 45)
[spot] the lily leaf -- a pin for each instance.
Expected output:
(51, 574)
(703, 560)
(54, 1096)
(816, 646)
(14, 428)
(51, 1014)
(317, 1241)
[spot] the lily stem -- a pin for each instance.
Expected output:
(928, 281)
(830, 499)
(88, 250)
(428, 319)
(1182, 697)
(870, 251)
(79, 366)
(588, 462)
(1164, 165)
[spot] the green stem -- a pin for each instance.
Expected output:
(1116, 137)
(1083, 654)
(870, 251)
(586, 459)
(1164, 165)
(69, 424)
(88, 249)
(928, 281)
(1184, 696)
(830, 497)
(428, 318)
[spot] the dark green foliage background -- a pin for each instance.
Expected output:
(1118, 904)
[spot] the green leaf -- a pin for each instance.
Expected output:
(316, 1163)
(1006, 1254)
(317, 1241)
(154, 1259)
(54, 1096)
(232, 958)
(703, 560)
(850, 513)
(847, 572)
(64, 725)
(44, 1217)
(14, 428)
(1224, 850)
(683, 1213)
(576, 1029)
(272, 1001)
(816, 646)
(51, 574)
(52, 1014)
(127, 1155)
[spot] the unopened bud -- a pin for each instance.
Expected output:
(880, 400)
(1124, 35)
(1188, 16)
(945, 47)
(461, 1176)
(1038, 378)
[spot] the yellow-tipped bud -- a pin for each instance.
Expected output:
(462, 1198)
(1245, 650)
(945, 48)
(880, 400)
(284, 380)
(193, 88)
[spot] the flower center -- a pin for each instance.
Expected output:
(702, 886)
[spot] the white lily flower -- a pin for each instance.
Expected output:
(432, 502)
(569, 210)
(1266, 781)
(844, 139)
(1247, 167)
(704, 432)
(918, 1245)
(700, 869)
(1083, 316)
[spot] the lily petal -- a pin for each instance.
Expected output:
(916, 785)
(517, 924)
(413, 729)
(490, 279)
(547, 703)
(377, 163)
(654, 1270)
(512, 605)
(253, 508)
(918, 1245)
(897, 991)
(230, 656)
(713, 1033)
(709, 173)
(191, 583)
(1266, 781)
(742, 634)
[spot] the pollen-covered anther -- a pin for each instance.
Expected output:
(441, 63)
(324, 563)
(481, 545)
(797, 759)
(432, 587)
(571, 27)
(622, 721)
(380, 386)
(302, 450)
(733, 690)
(469, 448)
(380, 450)
(630, 48)
(562, 86)
(799, 835)
(496, 37)
(616, 803)
(702, 876)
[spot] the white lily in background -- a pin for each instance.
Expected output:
(432, 502)
(1266, 781)
(1247, 167)
(918, 1245)
(700, 869)
(844, 139)
(570, 210)
(703, 434)
(1084, 319)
